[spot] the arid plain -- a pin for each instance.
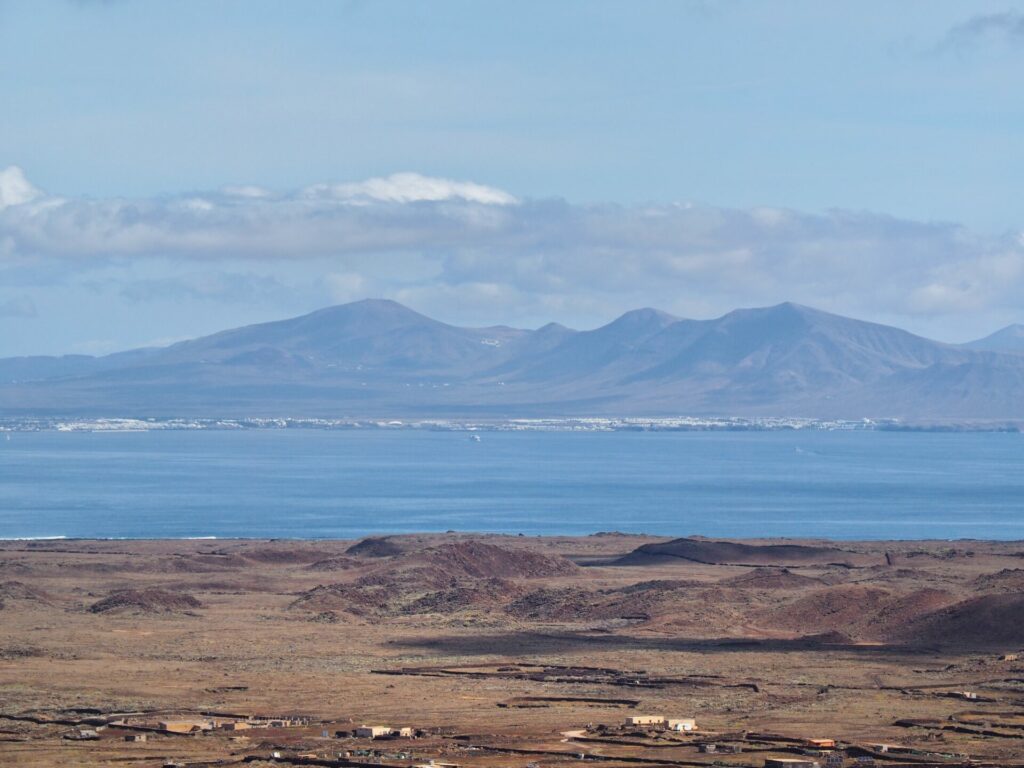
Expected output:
(511, 651)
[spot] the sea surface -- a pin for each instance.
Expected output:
(345, 484)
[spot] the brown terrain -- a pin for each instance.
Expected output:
(511, 651)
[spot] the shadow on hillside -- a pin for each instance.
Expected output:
(524, 643)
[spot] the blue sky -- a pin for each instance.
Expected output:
(179, 167)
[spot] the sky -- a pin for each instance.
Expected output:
(170, 168)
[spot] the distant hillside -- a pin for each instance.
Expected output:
(1009, 339)
(711, 552)
(378, 359)
(991, 621)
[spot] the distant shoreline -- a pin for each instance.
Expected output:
(583, 424)
(413, 536)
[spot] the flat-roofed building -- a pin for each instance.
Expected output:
(681, 724)
(645, 720)
(373, 731)
(822, 743)
(883, 747)
(184, 726)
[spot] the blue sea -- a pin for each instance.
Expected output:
(296, 483)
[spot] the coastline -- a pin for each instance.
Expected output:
(581, 424)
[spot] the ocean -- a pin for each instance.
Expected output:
(297, 483)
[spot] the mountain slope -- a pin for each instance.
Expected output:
(373, 333)
(380, 359)
(1008, 339)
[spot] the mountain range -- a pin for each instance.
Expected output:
(379, 359)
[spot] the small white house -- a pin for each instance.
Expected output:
(682, 724)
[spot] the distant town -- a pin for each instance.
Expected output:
(596, 424)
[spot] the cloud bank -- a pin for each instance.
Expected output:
(1005, 27)
(438, 244)
(18, 306)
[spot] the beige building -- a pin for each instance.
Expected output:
(373, 731)
(184, 726)
(822, 743)
(645, 720)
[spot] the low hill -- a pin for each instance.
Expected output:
(478, 560)
(450, 576)
(1006, 580)
(146, 601)
(860, 611)
(989, 621)
(712, 552)
(375, 547)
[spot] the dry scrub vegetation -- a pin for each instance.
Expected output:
(802, 638)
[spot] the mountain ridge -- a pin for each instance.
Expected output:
(1008, 339)
(377, 357)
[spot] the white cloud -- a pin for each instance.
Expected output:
(460, 248)
(245, 191)
(410, 188)
(15, 189)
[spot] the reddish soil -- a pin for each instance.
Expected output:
(849, 641)
(146, 601)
